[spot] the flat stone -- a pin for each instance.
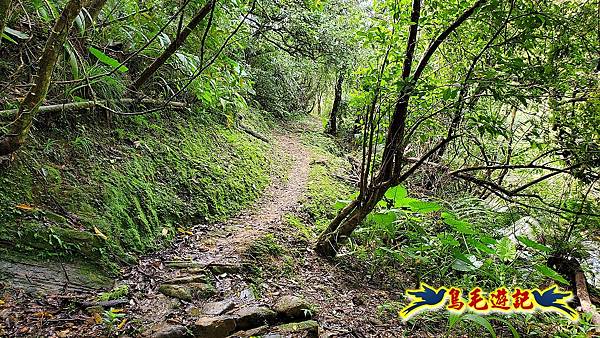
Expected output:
(184, 264)
(176, 291)
(218, 308)
(292, 307)
(219, 268)
(253, 316)
(187, 279)
(196, 271)
(188, 291)
(214, 327)
(172, 331)
(256, 332)
(308, 329)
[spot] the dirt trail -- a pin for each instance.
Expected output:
(212, 270)
(221, 245)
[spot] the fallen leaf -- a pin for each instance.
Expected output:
(43, 314)
(121, 324)
(25, 207)
(165, 231)
(100, 234)
(97, 318)
(183, 231)
(64, 333)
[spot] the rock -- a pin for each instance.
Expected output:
(214, 327)
(187, 292)
(195, 271)
(187, 279)
(308, 328)
(184, 264)
(219, 268)
(176, 291)
(201, 290)
(256, 332)
(218, 308)
(247, 294)
(253, 316)
(172, 331)
(292, 307)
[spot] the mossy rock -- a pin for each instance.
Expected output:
(309, 328)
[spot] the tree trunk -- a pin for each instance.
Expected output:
(389, 173)
(174, 46)
(4, 9)
(342, 226)
(94, 7)
(41, 82)
(337, 102)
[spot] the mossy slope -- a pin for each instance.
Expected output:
(110, 193)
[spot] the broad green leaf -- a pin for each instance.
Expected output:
(16, 33)
(506, 249)
(533, 244)
(466, 263)
(488, 240)
(341, 204)
(460, 226)
(72, 60)
(383, 219)
(448, 240)
(480, 246)
(8, 38)
(396, 193)
(107, 60)
(423, 207)
(548, 272)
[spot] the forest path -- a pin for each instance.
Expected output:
(222, 249)
(225, 279)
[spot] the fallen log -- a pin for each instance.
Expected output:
(77, 106)
(253, 133)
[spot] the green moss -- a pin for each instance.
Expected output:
(122, 187)
(116, 293)
(303, 231)
(265, 246)
(324, 189)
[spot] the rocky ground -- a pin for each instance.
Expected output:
(250, 276)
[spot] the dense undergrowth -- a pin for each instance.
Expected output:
(84, 191)
(464, 242)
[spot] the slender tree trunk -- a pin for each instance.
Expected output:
(29, 107)
(174, 46)
(94, 7)
(337, 102)
(389, 173)
(4, 9)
